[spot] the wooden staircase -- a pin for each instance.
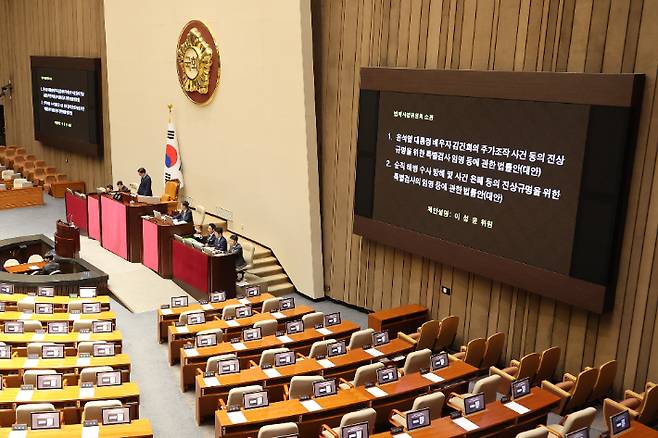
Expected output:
(267, 267)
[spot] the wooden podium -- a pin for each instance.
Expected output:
(67, 240)
(157, 234)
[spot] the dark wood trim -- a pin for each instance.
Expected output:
(581, 88)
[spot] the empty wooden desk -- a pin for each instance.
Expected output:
(398, 395)
(170, 316)
(25, 267)
(70, 339)
(178, 336)
(210, 389)
(61, 303)
(405, 319)
(138, 428)
(57, 316)
(195, 359)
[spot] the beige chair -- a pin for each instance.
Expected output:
(93, 410)
(81, 324)
(201, 211)
(425, 337)
(278, 430)
(487, 385)
(547, 365)
(473, 352)
(417, 360)
(87, 347)
(604, 380)
(248, 252)
(182, 318)
(35, 258)
(34, 348)
(3, 187)
(212, 365)
(319, 348)
(88, 375)
(642, 407)
(229, 311)
(219, 332)
(9, 263)
(434, 401)
(517, 370)
(312, 319)
(300, 386)
(361, 338)
(267, 327)
(539, 432)
(271, 304)
(7, 174)
(574, 391)
(30, 376)
(365, 374)
(24, 412)
(267, 356)
(368, 415)
(31, 325)
(493, 350)
(572, 422)
(236, 395)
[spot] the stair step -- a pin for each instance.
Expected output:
(264, 261)
(281, 289)
(264, 271)
(275, 279)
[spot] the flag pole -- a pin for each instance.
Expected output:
(170, 106)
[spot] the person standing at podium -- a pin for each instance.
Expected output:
(145, 183)
(185, 214)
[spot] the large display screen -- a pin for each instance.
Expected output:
(526, 189)
(66, 103)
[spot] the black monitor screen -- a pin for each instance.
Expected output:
(418, 419)
(580, 433)
(620, 422)
(66, 103)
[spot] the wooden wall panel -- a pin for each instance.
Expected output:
(527, 35)
(51, 28)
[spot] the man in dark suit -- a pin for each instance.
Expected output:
(185, 214)
(237, 249)
(212, 237)
(220, 243)
(144, 184)
(52, 264)
(121, 188)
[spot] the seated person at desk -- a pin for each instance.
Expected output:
(220, 243)
(121, 188)
(144, 184)
(185, 214)
(109, 188)
(211, 239)
(237, 249)
(51, 264)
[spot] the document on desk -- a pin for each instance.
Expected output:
(324, 331)
(311, 405)
(74, 316)
(517, 407)
(182, 329)
(38, 337)
(17, 434)
(326, 363)
(376, 391)
(166, 311)
(84, 336)
(24, 395)
(244, 301)
(191, 352)
(232, 323)
(285, 339)
(236, 417)
(402, 435)
(207, 306)
(25, 315)
(433, 377)
(27, 300)
(278, 315)
(83, 362)
(271, 373)
(465, 424)
(211, 381)
(86, 393)
(239, 346)
(374, 352)
(90, 432)
(31, 363)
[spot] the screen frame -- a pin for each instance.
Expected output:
(91, 66)
(605, 90)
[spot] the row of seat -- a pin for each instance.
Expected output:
(25, 170)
